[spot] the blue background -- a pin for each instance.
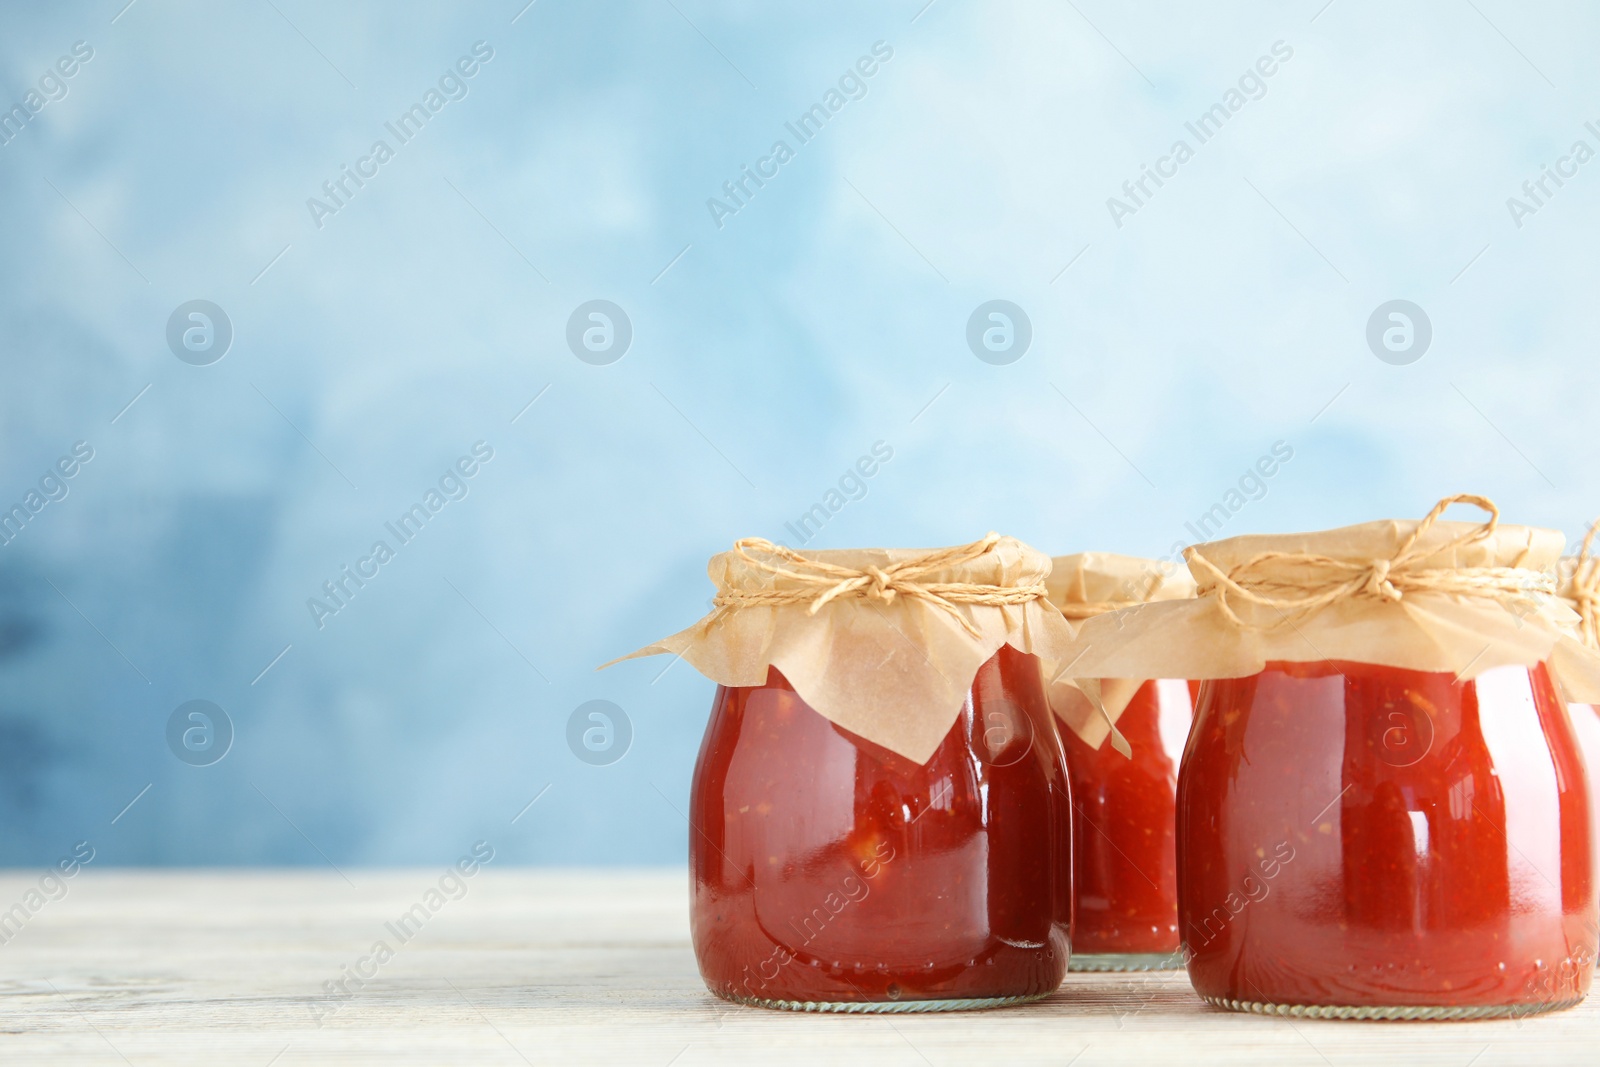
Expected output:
(1168, 354)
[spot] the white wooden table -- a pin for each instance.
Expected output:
(563, 967)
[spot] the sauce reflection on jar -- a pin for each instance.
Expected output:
(1125, 879)
(829, 872)
(1367, 841)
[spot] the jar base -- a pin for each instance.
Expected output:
(1403, 1012)
(888, 1007)
(1125, 961)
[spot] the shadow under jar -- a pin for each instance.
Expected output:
(1125, 878)
(1360, 841)
(831, 874)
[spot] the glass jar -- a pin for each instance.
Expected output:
(831, 874)
(1359, 841)
(1125, 879)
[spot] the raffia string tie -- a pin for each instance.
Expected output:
(1584, 591)
(820, 583)
(1318, 581)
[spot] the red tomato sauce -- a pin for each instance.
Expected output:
(1359, 835)
(1125, 877)
(826, 869)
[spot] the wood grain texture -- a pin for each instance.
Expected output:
(535, 967)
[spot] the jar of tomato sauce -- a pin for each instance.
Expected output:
(1124, 876)
(879, 821)
(1382, 811)
(1359, 840)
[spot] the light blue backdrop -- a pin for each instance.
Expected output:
(1176, 337)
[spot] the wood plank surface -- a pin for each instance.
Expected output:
(535, 967)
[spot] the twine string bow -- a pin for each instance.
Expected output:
(819, 583)
(1298, 584)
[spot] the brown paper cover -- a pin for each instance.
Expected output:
(895, 671)
(1086, 585)
(1424, 629)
